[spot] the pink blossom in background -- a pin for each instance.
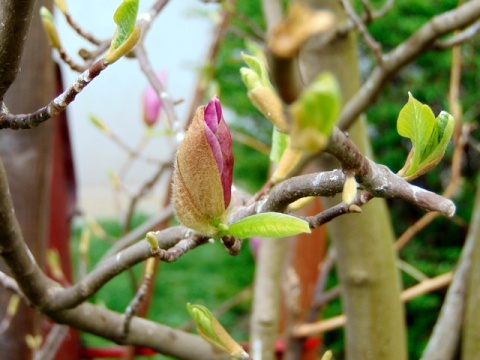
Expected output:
(152, 104)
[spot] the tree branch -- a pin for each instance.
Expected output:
(15, 18)
(446, 333)
(438, 26)
(459, 38)
(56, 106)
(377, 180)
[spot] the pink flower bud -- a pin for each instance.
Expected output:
(203, 171)
(152, 104)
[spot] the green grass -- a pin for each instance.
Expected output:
(206, 275)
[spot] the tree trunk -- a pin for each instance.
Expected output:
(26, 156)
(471, 327)
(365, 259)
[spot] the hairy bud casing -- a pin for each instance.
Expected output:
(203, 171)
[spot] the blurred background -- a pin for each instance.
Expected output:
(177, 44)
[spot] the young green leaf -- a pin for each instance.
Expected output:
(125, 18)
(127, 32)
(429, 135)
(268, 224)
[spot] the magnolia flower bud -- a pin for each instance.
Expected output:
(203, 171)
(152, 104)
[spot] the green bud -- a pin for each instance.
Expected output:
(12, 306)
(114, 54)
(99, 123)
(315, 113)
(327, 356)
(152, 240)
(62, 6)
(250, 78)
(349, 189)
(261, 92)
(50, 29)
(288, 163)
(211, 330)
(266, 100)
(258, 65)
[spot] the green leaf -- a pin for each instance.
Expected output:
(429, 135)
(280, 142)
(268, 224)
(315, 113)
(127, 33)
(125, 18)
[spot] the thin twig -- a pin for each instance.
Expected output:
(84, 34)
(424, 287)
(53, 341)
(56, 106)
(459, 38)
(319, 293)
(250, 141)
(168, 239)
(255, 30)
(136, 302)
(411, 270)
(422, 39)
(370, 41)
(367, 17)
(139, 232)
(167, 101)
(9, 283)
(9, 316)
(179, 249)
(69, 61)
(142, 192)
(203, 79)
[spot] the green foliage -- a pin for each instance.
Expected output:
(268, 224)
(429, 136)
